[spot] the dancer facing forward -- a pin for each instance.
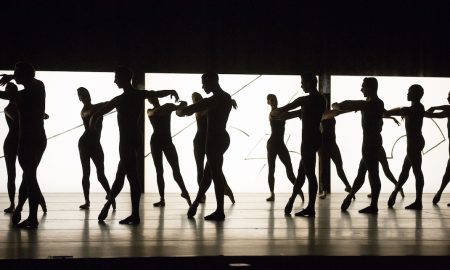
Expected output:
(277, 147)
(372, 123)
(313, 106)
(200, 147)
(90, 148)
(415, 144)
(161, 142)
(130, 106)
(32, 138)
(218, 108)
(444, 113)
(10, 148)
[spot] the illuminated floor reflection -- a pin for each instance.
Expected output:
(253, 227)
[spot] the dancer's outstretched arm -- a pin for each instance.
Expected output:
(350, 105)
(202, 105)
(286, 108)
(106, 108)
(159, 94)
(329, 114)
(286, 115)
(165, 109)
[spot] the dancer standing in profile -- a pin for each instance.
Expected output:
(313, 106)
(329, 138)
(372, 110)
(10, 148)
(277, 147)
(130, 106)
(32, 139)
(444, 113)
(200, 147)
(218, 108)
(90, 148)
(161, 142)
(415, 144)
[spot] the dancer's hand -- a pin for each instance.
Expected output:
(234, 104)
(182, 103)
(432, 109)
(174, 94)
(6, 78)
(46, 116)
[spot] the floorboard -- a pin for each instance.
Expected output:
(253, 227)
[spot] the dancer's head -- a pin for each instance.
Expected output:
(154, 101)
(309, 82)
(24, 72)
(11, 88)
(83, 95)
(415, 92)
(369, 87)
(123, 76)
(210, 82)
(196, 97)
(272, 100)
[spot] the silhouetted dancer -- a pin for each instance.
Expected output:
(277, 147)
(218, 108)
(415, 143)
(161, 142)
(129, 106)
(32, 139)
(200, 147)
(372, 123)
(10, 149)
(444, 113)
(312, 108)
(90, 148)
(329, 148)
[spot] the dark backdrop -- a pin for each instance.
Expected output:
(246, 36)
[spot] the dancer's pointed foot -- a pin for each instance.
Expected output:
(271, 198)
(203, 199)
(402, 193)
(43, 206)
(302, 196)
(28, 224)
(323, 195)
(230, 195)
(85, 206)
(437, 198)
(216, 216)
(369, 210)
(289, 206)
(415, 206)
(104, 213)
(346, 203)
(131, 220)
(10, 209)
(392, 198)
(17, 215)
(192, 210)
(307, 212)
(186, 197)
(161, 203)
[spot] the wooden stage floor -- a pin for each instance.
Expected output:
(253, 227)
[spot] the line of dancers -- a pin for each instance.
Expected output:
(27, 140)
